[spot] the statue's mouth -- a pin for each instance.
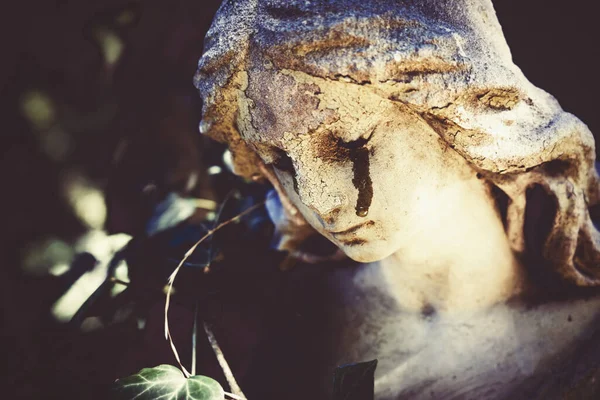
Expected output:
(351, 230)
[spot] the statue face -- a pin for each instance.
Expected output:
(347, 102)
(364, 171)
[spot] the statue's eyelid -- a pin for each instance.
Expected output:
(275, 156)
(282, 160)
(360, 142)
(266, 148)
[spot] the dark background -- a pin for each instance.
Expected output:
(144, 110)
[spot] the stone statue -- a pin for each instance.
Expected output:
(401, 131)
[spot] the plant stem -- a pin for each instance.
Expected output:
(233, 396)
(233, 385)
(120, 282)
(194, 335)
(171, 280)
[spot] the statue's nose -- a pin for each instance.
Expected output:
(328, 207)
(326, 200)
(324, 188)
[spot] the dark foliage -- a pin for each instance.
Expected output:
(124, 120)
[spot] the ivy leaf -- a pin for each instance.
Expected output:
(167, 382)
(355, 381)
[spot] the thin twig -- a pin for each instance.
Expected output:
(102, 290)
(233, 385)
(226, 199)
(233, 396)
(206, 204)
(194, 335)
(120, 282)
(171, 280)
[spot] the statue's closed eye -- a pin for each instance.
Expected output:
(358, 143)
(275, 156)
(355, 144)
(282, 161)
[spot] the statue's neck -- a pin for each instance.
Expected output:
(459, 259)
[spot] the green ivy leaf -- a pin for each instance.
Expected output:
(168, 383)
(355, 381)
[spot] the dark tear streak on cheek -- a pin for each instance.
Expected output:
(362, 180)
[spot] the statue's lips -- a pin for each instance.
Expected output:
(351, 230)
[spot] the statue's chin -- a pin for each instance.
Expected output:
(367, 252)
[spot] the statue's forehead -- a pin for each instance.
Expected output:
(287, 104)
(365, 49)
(361, 51)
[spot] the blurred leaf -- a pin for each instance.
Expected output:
(39, 109)
(129, 15)
(166, 381)
(111, 45)
(355, 381)
(173, 210)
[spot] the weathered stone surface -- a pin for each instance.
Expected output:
(447, 61)
(403, 132)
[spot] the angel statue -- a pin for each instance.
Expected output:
(402, 132)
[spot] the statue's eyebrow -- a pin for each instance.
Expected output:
(360, 141)
(435, 64)
(338, 51)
